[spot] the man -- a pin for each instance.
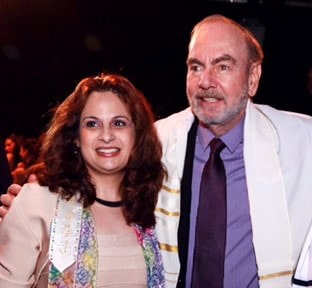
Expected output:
(267, 160)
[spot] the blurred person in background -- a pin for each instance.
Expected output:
(5, 172)
(12, 149)
(29, 154)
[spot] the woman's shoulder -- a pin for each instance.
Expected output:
(35, 190)
(31, 213)
(35, 199)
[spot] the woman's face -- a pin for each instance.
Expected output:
(9, 145)
(23, 152)
(106, 134)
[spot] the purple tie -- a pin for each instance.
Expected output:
(208, 266)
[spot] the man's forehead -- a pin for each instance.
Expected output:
(218, 36)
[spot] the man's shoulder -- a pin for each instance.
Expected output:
(181, 119)
(271, 111)
(284, 123)
(282, 117)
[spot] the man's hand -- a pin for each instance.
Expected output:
(8, 198)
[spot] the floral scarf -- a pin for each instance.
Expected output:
(151, 252)
(76, 226)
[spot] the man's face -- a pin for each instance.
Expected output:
(219, 79)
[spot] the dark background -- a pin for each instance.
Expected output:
(48, 46)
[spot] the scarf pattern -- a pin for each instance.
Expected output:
(82, 273)
(151, 252)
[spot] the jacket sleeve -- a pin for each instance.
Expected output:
(23, 240)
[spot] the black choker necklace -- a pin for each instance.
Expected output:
(109, 203)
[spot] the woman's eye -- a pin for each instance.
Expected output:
(92, 124)
(119, 123)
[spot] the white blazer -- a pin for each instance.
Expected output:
(278, 162)
(303, 275)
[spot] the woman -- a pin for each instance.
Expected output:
(29, 153)
(5, 172)
(89, 222)
(12, 148)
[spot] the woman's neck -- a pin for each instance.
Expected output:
(108, 188)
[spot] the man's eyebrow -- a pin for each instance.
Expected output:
(225, 57)
(193, 60)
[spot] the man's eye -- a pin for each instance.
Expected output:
(223, 67)
(195, 68)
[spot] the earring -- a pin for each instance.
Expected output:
(76, 150)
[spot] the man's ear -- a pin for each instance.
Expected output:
(254, 78)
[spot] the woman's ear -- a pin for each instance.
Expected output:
(77, 144)
(254, 78)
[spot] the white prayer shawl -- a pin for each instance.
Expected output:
(303, 275)
(279, 182)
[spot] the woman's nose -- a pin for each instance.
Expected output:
(106, 135)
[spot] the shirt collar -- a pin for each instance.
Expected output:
(231, 139)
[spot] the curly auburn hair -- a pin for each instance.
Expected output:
(64, 170)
